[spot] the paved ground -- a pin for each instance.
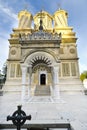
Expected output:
(70, 108)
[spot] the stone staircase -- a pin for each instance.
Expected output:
(42, 90)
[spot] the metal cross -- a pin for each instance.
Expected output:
(19, 118)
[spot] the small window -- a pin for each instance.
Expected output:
(12, 70)
(18, 71)
(65, 69)
(73, 69)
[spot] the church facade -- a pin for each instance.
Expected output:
(43, 59)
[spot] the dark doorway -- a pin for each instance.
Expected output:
(42, 79)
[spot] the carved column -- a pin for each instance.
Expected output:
(24, 72)
(56, 92)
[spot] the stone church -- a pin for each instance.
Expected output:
(43, 59)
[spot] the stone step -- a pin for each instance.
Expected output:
(42, 90)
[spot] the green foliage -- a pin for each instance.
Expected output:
(4, 69)
(83, 75)
(3, 74)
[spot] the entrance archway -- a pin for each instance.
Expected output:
(43, 79)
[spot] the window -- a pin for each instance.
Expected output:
(18, 71)
(59, 71)
(73, 69)
(65, 69)
(12, 70)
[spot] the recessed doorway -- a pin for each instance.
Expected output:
(42, 79)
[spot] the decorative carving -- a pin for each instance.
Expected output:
(13, 52)
(72, 50)
(41, 67)
(40, 35)
(40, 59)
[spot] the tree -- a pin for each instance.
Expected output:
(0, 73)
(4, 71)
(83, 75)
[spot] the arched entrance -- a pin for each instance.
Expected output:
(40, 72)
(43, 79)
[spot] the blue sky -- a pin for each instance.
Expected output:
(77, 19)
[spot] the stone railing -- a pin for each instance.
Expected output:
(40, 35)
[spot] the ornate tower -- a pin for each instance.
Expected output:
(43, 61)
(25, 19)
(60, 18)
(69, 69)
(47, 20)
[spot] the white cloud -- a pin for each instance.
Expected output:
(4, 47)
(8, 11)
(9, 15)
(4, 34)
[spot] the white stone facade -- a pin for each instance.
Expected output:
(45, 57)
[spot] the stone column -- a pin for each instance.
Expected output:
(29, 80)
(24, 72)
(56, 92)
